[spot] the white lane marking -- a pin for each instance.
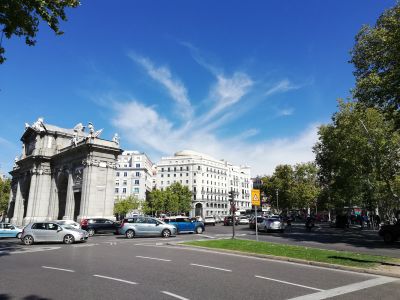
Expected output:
(154, 258)
(174, 295)
(58, 269)
(287, 282)
(116, 279)
(32, 250)
(209, 267)
(209, 236)
(84, 245)
(347, 289)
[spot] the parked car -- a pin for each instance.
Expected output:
(218, 219)
(52, 232)
(390, 232)
(146, 226)
(71, 223)
(10, 230)
(99, 225)
(243, 220)
(210, 220)
(272, 224)
(228, 221)
(184, 224)
(252, 222)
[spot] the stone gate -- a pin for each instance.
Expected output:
(63, 174)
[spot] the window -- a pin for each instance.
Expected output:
(137, 165)
(39, 226)
(194, 174)
(125, 174)
(181, 168)
(187, 168)
(51, 226)
(124, 183)
(199, 168)
(162, 175)
(162, 169)
(117, 183)
(136, 181)
(124, 191)
(136, 190)
(116, 190)
(117, 174)
(187, 181)
(137, 174)
(174, 174)
(167, 175)
(187, 174)
(162, 182)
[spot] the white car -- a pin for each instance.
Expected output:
(71, 223)
(243, 221)
(209, 221)
(272, 224)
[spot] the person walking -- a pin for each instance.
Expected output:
(377, 221)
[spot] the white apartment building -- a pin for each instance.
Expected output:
(209, 179)
(134, 175)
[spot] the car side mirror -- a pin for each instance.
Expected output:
(59, 229)
(157, 224)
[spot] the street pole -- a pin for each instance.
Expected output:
(233, 213)
(256, 223)
(277, 199)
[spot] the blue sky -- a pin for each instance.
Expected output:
(245, 81)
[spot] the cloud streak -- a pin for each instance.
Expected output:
(281, 87)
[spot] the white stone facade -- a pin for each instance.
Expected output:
(209, 179)
(134, 175)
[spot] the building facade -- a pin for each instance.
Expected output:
(63, 174)
(134, 175)
(209, 180)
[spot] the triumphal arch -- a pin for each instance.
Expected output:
(63, 174)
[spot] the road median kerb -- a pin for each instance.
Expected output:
(298, 261)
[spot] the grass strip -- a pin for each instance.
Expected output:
(310, 254)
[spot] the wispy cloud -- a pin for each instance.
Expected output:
(144, 127)
(174, 86)
(281, 87)
(286, 112)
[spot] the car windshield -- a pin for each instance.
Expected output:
(68, 227)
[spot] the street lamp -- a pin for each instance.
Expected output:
(277, 199)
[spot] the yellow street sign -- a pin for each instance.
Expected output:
(255, 197)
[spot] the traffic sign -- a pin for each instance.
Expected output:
(255, 197)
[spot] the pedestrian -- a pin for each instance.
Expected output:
(377, 221)
(366, 220)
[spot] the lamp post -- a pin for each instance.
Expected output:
(277, 199)
(232, 195)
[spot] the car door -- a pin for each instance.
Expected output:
(2, 233)
(109, 226)
(152, 227)
(39, 232)
(141, 226)
(54, 233)
(9, 230)
(99, 225)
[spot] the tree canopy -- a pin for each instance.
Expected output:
(124, 206)
(5, 187)
(376, 58)
(22, 18)
(175, 199)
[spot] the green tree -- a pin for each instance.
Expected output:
(124, 206)
(181, 200)
(5, 187)
(376, 58)
(22, 18)
(306, 188)
(358, 155)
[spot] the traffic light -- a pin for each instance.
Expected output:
(231, 196)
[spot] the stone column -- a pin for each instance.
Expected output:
(19, 206)
(70, 205)
(53, 205)
(39, 195)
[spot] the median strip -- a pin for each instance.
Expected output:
(300, 253)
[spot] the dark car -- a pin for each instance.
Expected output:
(184, 224)
(99, 225)
(252, 223)
(390, 233)
(228, 221)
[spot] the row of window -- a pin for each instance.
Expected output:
(127, 166)
(123, 190)
(125, 174)
(125, 182)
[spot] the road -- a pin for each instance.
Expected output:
(110, 266)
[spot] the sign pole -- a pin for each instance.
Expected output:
(256, 223)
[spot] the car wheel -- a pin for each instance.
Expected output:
(130, 234)
(28, 240)
(388, 237)
(166, 233)
(214, 224)
(19, 235)
(69, 239)
(199, 230)
(91, 232)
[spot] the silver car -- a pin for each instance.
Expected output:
(71, 223)
(146, 226)
(52, 232)
(272, 224)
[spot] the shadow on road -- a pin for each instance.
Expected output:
(29, 297)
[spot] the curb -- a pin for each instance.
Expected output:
(296, 260)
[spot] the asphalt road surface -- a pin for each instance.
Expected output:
(108, 267)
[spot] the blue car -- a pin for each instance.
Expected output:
(184, 224)
(10, 230)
